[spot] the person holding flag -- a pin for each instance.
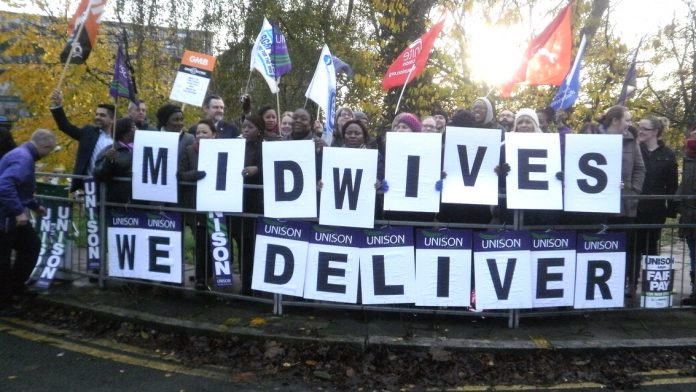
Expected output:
(92, 139)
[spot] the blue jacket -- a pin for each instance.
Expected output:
(17, 184)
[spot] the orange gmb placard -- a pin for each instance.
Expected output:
(198, 60)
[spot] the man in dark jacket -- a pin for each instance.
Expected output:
(92, 138)
(17, 185)
(214, 110)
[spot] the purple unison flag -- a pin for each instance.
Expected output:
(342, 66)
(122, 85)
(279, 53)
(629, 84)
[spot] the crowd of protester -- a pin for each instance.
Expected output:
(649, 166)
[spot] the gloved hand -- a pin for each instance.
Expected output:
(560, 176)
(200, 175)
(502, 170)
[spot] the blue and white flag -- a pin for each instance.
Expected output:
(570, 88)
(322, 90)
(261, 56)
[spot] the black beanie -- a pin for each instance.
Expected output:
(164, 112)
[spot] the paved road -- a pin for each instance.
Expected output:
(36, 357)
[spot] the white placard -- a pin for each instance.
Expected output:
(332, 273)
(192, 78)
(428, 263)
(348, 192)
(553, 278)
(534, 160)
(279, 265)
(593, 173)
(222, 188)
(471, 155)
(387, 275)
(503, 280)
(155, 161)
(130, 257)
(412, 167)
(289, 175)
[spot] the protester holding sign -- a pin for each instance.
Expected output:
(244, 229)
(660, 179)
(286, 126)
(117, 161)
(170, 118)
(188, 171)
(17, 186)
(616, 121)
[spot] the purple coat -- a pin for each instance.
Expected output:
(17, 183)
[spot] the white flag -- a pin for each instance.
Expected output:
(322, 90)
(261, 56)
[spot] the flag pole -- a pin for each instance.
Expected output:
(277, 94)
(398, 103)
(74, 44)
(246, 89)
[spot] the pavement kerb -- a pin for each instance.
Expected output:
(360, 342)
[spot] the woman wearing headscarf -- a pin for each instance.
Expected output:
(188, 171)
(526, 121)
(116, 161)
(484, 113)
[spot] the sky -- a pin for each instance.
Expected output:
(631, 20)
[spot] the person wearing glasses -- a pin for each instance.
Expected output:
(343, 115)
(660, 179)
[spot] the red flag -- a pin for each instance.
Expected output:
(411, 62)
(89, 13)
(547, 59)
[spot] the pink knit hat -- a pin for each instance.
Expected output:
(411, 120)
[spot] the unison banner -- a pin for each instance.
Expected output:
(601, 270)
(333, 264)
(53, 229)
(502, 270)
(92, 213)
(145, 244)
(387, 271)
(553, 268)
(220, 248)
(443, 267)
(658, 281)
(280, 256)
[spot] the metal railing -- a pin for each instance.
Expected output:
(75, 266)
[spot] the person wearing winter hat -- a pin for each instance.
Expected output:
(170, 118)
(526, 121)
(483, 113)
(407, 122)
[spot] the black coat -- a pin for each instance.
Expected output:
(661, 178)
(253, 198)
(87, 137)
(105, 170)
